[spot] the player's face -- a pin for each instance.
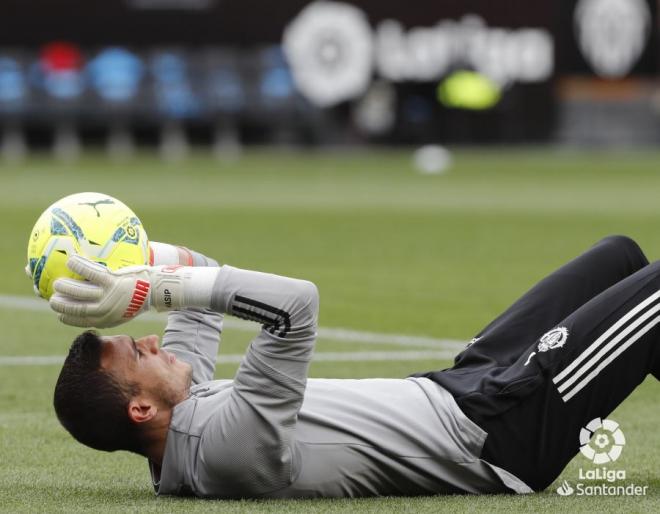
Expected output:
(157, 373)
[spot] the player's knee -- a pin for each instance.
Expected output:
(620, 241)
(626, 245)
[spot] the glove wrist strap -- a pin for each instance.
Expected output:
(178, 287)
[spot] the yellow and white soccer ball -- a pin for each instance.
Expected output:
(95, 225)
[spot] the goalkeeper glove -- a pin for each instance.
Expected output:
(110, 298)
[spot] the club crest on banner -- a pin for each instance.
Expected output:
(612, 34)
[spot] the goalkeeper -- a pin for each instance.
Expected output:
(504, 418)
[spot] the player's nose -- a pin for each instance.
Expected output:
(149, 343)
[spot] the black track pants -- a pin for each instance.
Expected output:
(569, 351)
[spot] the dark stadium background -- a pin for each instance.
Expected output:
(573, 106)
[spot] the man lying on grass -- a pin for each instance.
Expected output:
(505, 418)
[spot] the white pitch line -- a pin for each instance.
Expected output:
(331, 334)
(52, 360)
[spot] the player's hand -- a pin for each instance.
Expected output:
(108, 298)
(105, 299)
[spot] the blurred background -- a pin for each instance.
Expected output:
(221, 74)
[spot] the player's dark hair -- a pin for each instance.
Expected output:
(92, 404)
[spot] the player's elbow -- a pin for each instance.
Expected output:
(298, 315)
(299, 318)
(308, 295)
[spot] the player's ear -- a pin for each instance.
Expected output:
(141, 410)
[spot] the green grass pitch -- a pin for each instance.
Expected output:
(392, 251)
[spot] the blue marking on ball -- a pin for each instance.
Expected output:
(70, 224)
(56, 228)
(38, 270)
(119, 233)
(33, 265)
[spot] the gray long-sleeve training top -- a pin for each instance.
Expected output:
(272, 433)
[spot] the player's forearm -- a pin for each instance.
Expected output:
(193, 335)
(287, 307)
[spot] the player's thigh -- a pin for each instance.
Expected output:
(555, 297)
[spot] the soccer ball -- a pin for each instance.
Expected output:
(94, 225)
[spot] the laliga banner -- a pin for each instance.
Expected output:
(335, 53)
(396, 70)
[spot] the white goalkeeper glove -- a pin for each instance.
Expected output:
(110, 298)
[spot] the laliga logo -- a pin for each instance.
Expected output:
(330, 46)
(602, 442)
(608, 441)
(334, 52)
